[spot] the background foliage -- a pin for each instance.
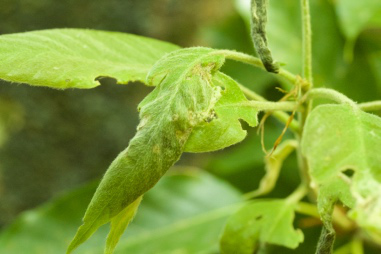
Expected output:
(53, 141)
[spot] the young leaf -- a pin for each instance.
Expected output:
(224, 128)
(75, 58)
(341, 137)
(183, 98)
(261, 222)
(119, 223)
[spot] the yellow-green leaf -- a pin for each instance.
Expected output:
(338, 138)
(119, 223)
(269, 221)
(75, 58)
(224, 128)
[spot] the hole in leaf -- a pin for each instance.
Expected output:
(244, 125)
(349, 173)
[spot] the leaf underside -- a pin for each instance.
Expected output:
(75, 58)
(338, 138)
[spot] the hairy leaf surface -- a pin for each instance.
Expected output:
(119, 224)
(223, 129)
(183, 98)
(268, 221)
(74, 58)
(338, 138)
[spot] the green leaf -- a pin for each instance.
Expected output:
(225, 129)
(269, 221)
(75, 58)
(332, 191)
(183, 98)
(337, 138)
(354, 16)
(119, 224)
(179, 213)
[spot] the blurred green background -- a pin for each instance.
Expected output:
(54, 141)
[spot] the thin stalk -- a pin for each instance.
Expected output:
(307, 42)
(370, 106)
(330, 94)
(339, 219)
(251, 94)
(284, 118)
(307, 75)
(307, 209)
(248, 59)
(271, 106)
(298, 194)
(281, 116)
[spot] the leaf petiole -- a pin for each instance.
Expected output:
(307, 209)
(370, 106)
(281, 116)
(271, 105)
(330, 94)
(298, 194)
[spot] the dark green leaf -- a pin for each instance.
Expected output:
(180, 213)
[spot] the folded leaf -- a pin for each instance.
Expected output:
(337, 138)
(224, 129)
(183, 98)
(75, 58)
(261, 222)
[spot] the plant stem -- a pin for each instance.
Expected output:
(307, 42)
(330, 94)
(281, 116)
(251, 94)
(307, 209)
(298, 194)
(307, 75)
(248, 59)
(357, 246)
(271, 106)
(370, 106)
